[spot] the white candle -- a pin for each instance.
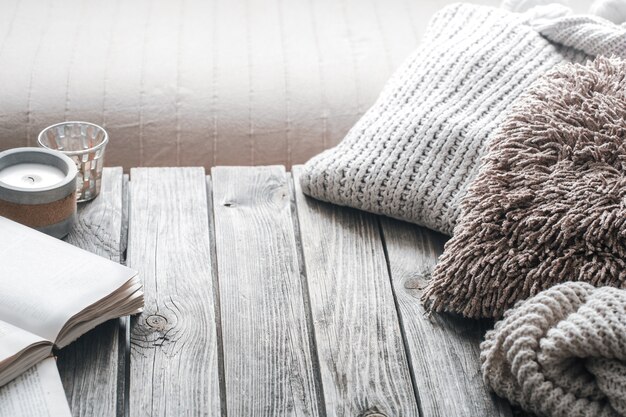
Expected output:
(38, 189)
(31, 175)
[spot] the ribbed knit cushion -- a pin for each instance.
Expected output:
(562, 353)
(413, 155)
(549, 205)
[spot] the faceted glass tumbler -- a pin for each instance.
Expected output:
(84, 143)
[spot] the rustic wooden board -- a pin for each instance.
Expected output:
(443, 349)
(364, 367)
(90, 366)
(174, 353)
(268, 365)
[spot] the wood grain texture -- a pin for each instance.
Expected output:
(363, 363)
(267, 358)
(90, 366)
(443, 349)
(174, 354)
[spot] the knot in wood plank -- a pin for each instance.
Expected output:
(157, 322)
(413, 284)
(417, 280)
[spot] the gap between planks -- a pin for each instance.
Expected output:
(216, 297)
(124, 322)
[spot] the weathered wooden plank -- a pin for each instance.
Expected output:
(174, 354)
(268, 366)
(363, 364)
(443, 349)
(89, 367)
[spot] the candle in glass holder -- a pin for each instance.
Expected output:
(85, 143)
(38, 189)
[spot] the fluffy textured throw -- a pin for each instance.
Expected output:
(562, 353)
(549, 205)
(413, 155)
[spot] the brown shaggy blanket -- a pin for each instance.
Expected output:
(549, 203)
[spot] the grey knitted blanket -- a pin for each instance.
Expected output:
(562, 353)
(413, 155)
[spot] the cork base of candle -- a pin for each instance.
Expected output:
(59, 230)
(56, 215)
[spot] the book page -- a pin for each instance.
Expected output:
(14, 340)
(45, 281)
(37, 392)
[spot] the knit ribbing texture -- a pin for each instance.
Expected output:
(413, 155)
(561, 353)
(549, 204)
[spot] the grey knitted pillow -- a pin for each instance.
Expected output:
(414, 153)
(549, 205)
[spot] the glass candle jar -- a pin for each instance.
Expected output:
(85, 144)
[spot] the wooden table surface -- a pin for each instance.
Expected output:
(263, 302)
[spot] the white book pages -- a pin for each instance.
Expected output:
(19, 350)
(38, 392)
(44, 281)
(13, 339)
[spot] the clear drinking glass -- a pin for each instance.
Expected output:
(84, 143)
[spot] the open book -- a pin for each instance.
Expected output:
(37, 392)
(51, 293)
